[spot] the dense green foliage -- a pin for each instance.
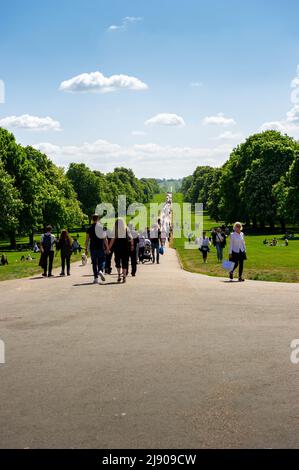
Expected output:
(259, 184)
(35, 192)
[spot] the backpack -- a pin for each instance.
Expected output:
(47, 242)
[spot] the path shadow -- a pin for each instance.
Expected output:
(99, 284)
(46, 277)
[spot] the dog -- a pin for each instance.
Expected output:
(84, 259)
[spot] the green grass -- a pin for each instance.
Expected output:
(266, 263)
(17, 268)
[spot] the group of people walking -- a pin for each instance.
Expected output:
(128, 246)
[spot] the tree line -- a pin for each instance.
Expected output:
(35, 192)
(258, 184)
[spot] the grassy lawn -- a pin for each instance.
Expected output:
(266, 263)
(17, 268)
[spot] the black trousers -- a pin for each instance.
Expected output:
(238, 259)
(133, 257)
(65, 260)
(48, 261)
(141, 253)
(155, 251)
(108, 267)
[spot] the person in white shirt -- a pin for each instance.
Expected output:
(204, 246)
(237, 250)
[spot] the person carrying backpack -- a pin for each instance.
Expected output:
(47, 247)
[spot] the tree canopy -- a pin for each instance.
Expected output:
(258, 184)
(35, 192)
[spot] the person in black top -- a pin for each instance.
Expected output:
(134, 253)
(65, 246)
(96, 238)
(108, 268)
(122, 244)
(155, 238)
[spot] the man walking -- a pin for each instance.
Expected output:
(155, 238)
(97, 241)
(47, 248)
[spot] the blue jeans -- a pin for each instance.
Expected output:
(219, 250)
(98, 261)
(155, 250)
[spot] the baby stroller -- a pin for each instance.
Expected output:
(147, 255)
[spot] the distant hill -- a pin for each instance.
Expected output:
(171, 185)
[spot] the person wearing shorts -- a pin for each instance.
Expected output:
(122, 244)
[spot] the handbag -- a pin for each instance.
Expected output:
(42, 260)
(228, 265)
(161, 250)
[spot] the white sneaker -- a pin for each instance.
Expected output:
(95, 281)
(102, 276)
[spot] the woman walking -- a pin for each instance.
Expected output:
(204, 246)
(237, 250)
(122, 244)
(65, 247)
(220, 242)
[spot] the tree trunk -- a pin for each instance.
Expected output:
(254, 223)
(13, 241)
(283, 226)
(272, 225)
(31, 238)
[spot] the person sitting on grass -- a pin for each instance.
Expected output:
(4, 260)
(35, 248)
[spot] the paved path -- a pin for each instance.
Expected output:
(171, 359)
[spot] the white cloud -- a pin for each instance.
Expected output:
(289, 125)
(228, 135)
(126, 21)
(149, 159)
(97, 82)
(219, 120)
(165, 119)
(33, 123)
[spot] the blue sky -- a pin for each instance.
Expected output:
(200, 77)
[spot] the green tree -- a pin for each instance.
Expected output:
(88, 186)
(253, 168)
(214, 195)
(286, 193)
(10, 203)
(201, 182)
